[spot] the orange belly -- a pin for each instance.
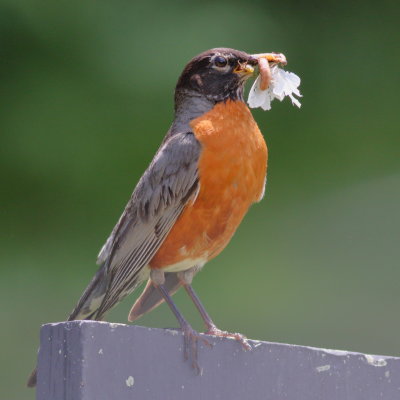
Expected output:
(232, 170)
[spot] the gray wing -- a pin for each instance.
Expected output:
(169, 183)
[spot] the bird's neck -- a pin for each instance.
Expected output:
(188, 106)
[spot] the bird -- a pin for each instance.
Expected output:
(209, 169)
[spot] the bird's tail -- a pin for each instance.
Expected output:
(87, 307)
(32, 379)
(151, 296)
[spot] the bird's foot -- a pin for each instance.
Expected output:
(190, 351)
(214, 331)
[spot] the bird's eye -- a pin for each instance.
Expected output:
(220, 61)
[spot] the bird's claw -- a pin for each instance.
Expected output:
(214, 331)
(190, 350)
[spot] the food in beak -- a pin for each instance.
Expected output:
(265, 73)
(264, 60)
(273, 82)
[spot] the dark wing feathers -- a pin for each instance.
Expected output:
(157, 201)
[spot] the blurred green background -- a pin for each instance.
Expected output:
(86, 97)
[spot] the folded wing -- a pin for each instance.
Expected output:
(170, 182)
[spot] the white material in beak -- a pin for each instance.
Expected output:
(283, 83)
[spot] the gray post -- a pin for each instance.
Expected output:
(85, 360)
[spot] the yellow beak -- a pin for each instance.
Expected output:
(245, 69)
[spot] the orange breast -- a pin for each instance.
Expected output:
(232, 170)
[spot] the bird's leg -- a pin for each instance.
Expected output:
(191, 337)
(186, 279)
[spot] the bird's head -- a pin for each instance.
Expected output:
(220, 74)
(216, 74)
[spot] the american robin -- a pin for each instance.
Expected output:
(209, 169)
